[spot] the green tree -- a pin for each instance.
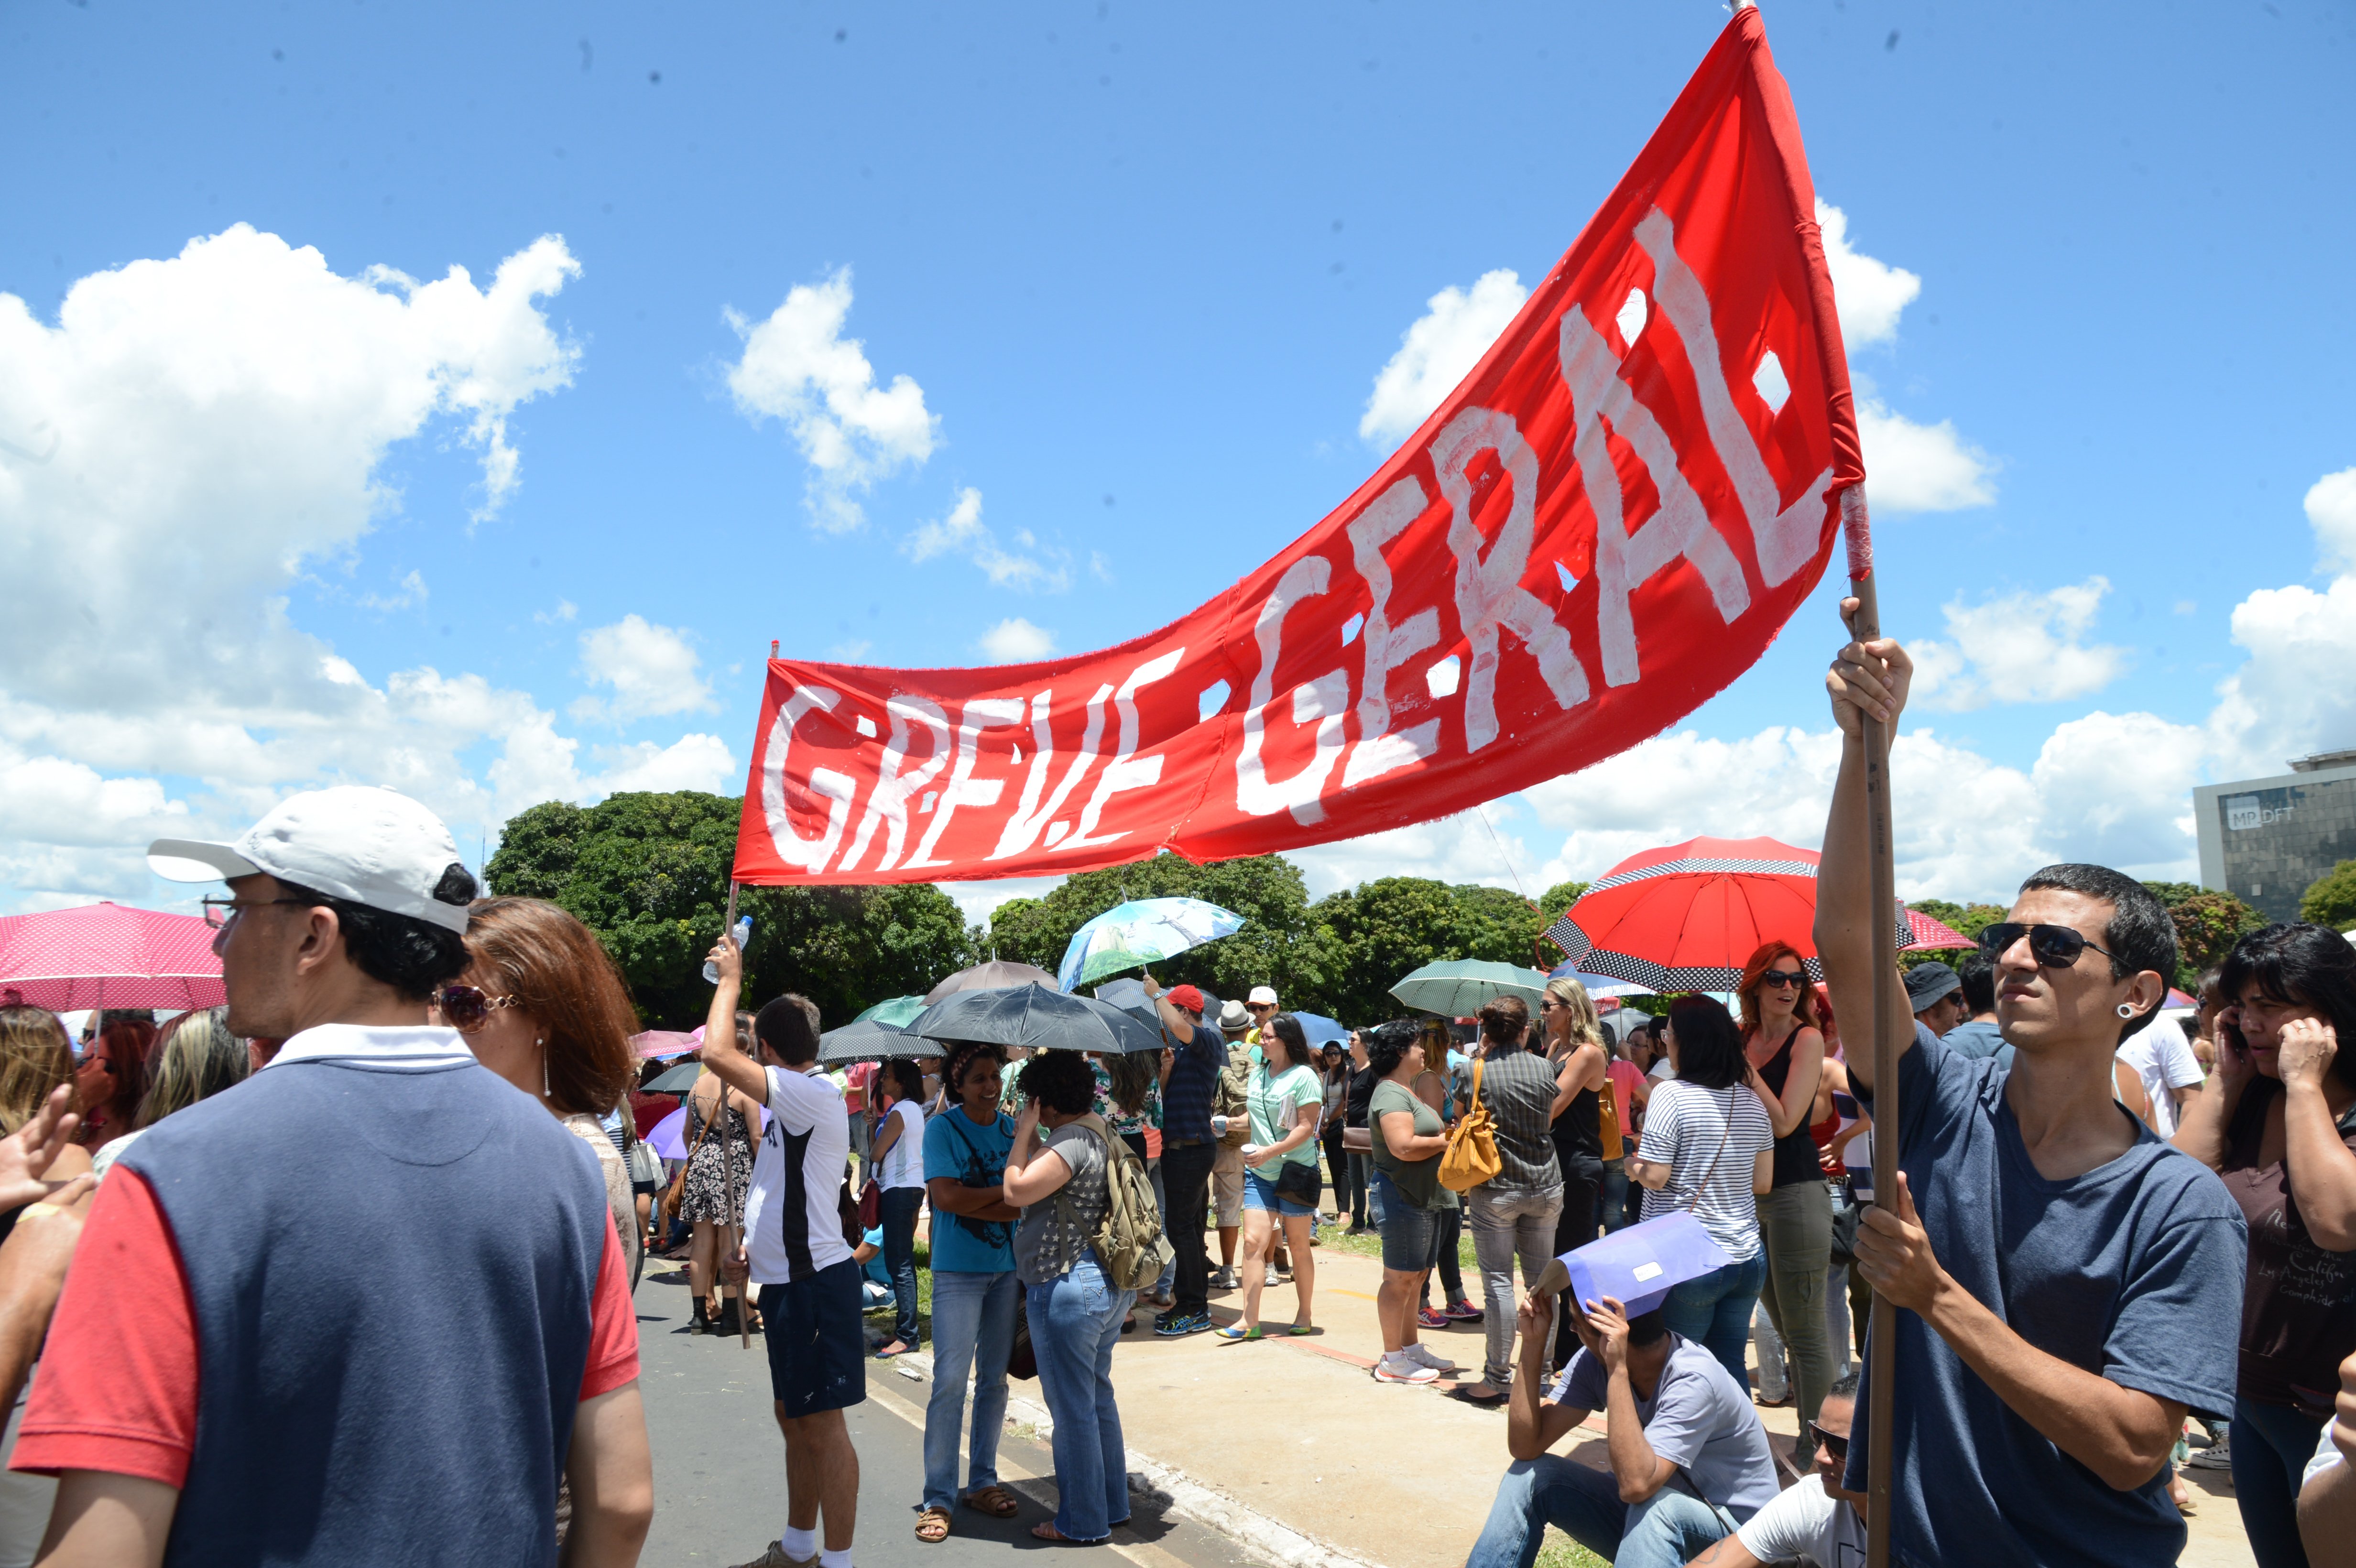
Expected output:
(1561, 897)
(649, 873)
(2331, 899)
(2207, 925)
(1266, 890)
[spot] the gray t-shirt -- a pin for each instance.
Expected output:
(2127, 1272)
(1047, 1243)
(1696, 1419)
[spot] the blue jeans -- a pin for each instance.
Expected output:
(1075, 1323)
(973, 1330)
(900, 1206)
(2272, 1444)
(1714, 1312)
(1612, 1197)
(1663, 1532)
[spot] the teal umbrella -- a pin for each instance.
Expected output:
(894, 1010)
(1458, 987)
(1141, 932)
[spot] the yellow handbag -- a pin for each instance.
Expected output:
(1470, 1157)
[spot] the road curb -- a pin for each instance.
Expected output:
(1174, 1491)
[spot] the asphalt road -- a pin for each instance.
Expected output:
(720, 1479)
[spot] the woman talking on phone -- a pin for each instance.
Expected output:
(2278, 1122)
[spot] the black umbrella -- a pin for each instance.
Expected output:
(868, 1041)
(1037, 1019)
(678, 1079)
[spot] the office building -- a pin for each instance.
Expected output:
(2266, 840)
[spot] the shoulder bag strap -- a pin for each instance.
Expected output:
(1478, 1063)
(1703, 1185)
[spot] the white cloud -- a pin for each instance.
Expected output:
(1029, 565)
(2020, 647)
(1451, 850)
(190, 439)
(412, 592)
(2332, 513)
(565, 610)
(1913, 467)
(1868, 294)
(799, 368)
(691, 762)
(1017, 641)
(1439, 351)
(651, 669)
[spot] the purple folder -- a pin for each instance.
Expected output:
(1640, 1266)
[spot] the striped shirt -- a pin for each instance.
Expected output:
(1713, 1136)
(1518, 1089)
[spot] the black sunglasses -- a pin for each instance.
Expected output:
(2053, 947)
(466, 1008)
(1780, 978)
(1835, 1444)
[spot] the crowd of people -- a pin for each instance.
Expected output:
(2089, 1200)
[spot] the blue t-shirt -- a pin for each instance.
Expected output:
(2132, 1270)
(874, 1268)
(1978, 1039)
(957, 1147)
(1697, 1419)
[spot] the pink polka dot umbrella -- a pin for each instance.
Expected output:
(108, 955)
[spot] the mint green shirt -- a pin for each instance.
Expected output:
(1271, 1095)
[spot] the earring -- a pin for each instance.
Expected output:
(545, 1091)
(2125, 1011)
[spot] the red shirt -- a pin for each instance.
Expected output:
(119, 1378)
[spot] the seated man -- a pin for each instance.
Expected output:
(1689, 1460)
(1819, 1523)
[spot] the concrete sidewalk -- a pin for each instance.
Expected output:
(1296, 1432)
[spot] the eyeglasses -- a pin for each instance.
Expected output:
(467, 1009)
(2053, 947)
(1835, 1444)
(1779, 978)
(221, 915)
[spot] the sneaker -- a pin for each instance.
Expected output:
(2218, 1455)
(1422, 1357)
(774, 1557)
(1178, 1327)
(1222, 1278)
(1271, 1275)
(1395, 1369)
(1428, 1318)
(1462, 1312)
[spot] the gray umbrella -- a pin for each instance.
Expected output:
(676, 1080)
(1037, 1019)
(868, 1041)
(995, 975)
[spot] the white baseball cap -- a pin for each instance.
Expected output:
(1263, 996)
(373, 847)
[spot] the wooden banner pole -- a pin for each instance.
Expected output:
(1881, 1340)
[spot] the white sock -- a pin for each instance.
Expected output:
(798, 1542)
(835, 1558)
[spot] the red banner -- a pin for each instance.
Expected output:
(1602, 527)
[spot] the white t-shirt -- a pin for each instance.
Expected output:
(1661, 1071)
(803, 1156)
(1707, 1138)
(903, 1165)
(1803, 1525)
(2163, 1059)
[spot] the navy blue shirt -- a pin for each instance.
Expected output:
(2132, 1272)
(1194, 1084)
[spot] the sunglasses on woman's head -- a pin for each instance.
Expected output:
(1781, 977)
(2053, 947)
(1835, 1444)
(466, 1008)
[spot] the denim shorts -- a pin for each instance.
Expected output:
(1409, 1232)
(1259, 1192)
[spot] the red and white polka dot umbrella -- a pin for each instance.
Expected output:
(108, 955)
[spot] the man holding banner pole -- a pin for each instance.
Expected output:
(2048, 1274)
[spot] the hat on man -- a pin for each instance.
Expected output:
(1927, 983)
(1233, 1018)
(1185, 998)
(1263, 996)
(372, 847)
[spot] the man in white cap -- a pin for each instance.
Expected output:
(398, 1276)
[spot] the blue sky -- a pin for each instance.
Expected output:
(1142, 268)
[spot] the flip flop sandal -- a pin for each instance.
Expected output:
(1237, 1336)
(933, 1526)
(1303, 1330)
(1047, 1531)
(993, 1501)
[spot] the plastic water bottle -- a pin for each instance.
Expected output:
(744, 937)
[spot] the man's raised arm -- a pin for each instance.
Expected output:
(1866, 677)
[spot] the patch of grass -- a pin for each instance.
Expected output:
(1561, 1552)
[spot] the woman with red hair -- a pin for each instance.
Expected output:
(1784, 1042)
